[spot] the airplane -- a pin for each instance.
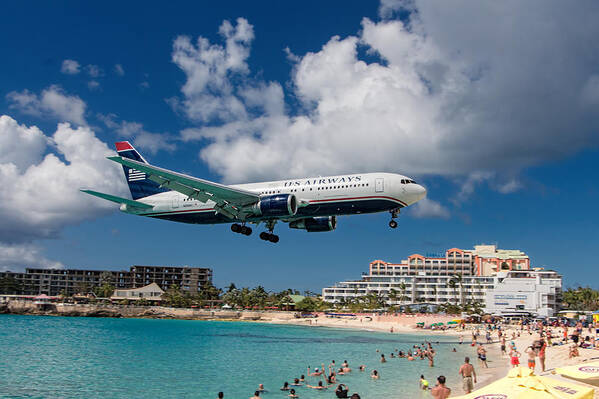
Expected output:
(311, 204)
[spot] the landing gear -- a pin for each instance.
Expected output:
(269, 236)
(394, 215)
(241, 229)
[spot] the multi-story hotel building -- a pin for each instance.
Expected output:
(52, 282)
(458, 277)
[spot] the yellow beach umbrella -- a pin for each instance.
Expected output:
(586, 372)
(524, 385)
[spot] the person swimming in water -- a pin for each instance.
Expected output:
(383, 360)
(261, 388)
(292, 394)
(423, 383)
(319, 386)
(362, 367)
(341, 391)
(296, 382)
(285, 386)
(375, 375)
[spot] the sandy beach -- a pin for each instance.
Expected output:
(556, 356)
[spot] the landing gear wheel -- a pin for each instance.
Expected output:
(235, 228)
(393, 224)
(245, 230)
(269, 237)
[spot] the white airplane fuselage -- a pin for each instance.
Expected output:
(316, 196)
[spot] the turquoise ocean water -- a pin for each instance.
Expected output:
(60, 357)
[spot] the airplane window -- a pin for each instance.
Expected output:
(403, 181)
(302, 189)
(310, 188)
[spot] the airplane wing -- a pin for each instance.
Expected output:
(229, 201)
(118, 200)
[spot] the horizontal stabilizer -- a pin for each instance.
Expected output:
(118, 200)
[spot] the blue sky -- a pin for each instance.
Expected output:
(499, 124)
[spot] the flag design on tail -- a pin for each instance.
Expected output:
(139, 185)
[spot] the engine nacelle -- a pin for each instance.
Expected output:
(324, 223)
(276, 205)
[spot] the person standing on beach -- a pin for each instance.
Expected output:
(542, 354)
(531, 357)
(440, 391)
(514, 357)
(468, 375)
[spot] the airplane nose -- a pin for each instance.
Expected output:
(420, 192)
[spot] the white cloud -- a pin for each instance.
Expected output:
(427, 208)
(94, 71)
(142, 139)
(20, 145)
(119, 70)
(468, 186)
(51, 102)
(70, 67)
(93, 85)
(17, 257)
(456, 92)
(208, 92)
(39, 193)
(509, 186)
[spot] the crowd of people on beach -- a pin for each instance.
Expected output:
(329, 376)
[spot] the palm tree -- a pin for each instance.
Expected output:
(392, 296)
(458, 279)
(402, 287)
(452, 285)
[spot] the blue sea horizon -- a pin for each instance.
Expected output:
(69, 357)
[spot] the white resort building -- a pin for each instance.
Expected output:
(150, 292)
(501, 280)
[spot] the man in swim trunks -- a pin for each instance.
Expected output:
(468, 375)
(531, 357)
(440, 391)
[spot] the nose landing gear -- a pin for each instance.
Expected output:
(394, 215)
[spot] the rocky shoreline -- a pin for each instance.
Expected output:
(18, 307)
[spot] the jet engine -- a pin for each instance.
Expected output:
(276, 205)
(324, 223)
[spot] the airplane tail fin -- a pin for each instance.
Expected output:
(139, 185)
